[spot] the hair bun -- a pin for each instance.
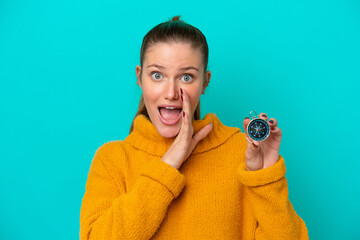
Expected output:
(176, 18)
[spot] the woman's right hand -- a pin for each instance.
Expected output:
(185, 142)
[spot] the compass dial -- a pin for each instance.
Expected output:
(258, 129)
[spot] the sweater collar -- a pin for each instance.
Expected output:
(145, 136)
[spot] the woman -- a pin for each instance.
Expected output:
(177, 176)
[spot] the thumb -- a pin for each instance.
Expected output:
(245, 123)
(200, 135)
(252, 144)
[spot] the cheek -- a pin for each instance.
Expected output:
(149, 99)
(194, 99)
(150, 94)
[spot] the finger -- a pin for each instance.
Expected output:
(250, 141)
(245, 124)
(263, 116)
(182, 122)
(186, 107)
(273, 122)
(182, 129)
(252, 144)
(186, 104)
(276, 131)
(276, 134)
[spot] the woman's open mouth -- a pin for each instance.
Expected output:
(169, 115)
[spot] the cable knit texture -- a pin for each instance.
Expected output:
(131, 194)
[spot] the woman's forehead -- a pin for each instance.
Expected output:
(170, 55)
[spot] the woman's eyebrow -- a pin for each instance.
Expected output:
(184, 68)
(190, 67)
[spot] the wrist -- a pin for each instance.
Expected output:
(253, 166)
(171, 164)
(252, 169)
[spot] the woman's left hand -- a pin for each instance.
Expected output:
(260, 155)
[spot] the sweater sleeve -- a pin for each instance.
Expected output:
(108, 211)
(267, 192)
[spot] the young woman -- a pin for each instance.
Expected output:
(177, 176)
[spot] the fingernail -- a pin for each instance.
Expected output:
(264, 115)
(247, 118)
(271, 121)
(273, 129)
(211, 124)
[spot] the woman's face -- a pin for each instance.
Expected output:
(167, 67)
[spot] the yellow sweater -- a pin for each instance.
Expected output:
(131, 194)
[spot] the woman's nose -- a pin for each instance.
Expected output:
(172, 91)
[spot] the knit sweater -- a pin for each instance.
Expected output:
(131, 194)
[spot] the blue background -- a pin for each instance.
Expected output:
(68, 85)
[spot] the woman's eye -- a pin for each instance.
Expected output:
(186, 77)
(156, 75)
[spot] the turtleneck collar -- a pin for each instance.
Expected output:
(145, 136)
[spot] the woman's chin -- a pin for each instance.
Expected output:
(169, 132)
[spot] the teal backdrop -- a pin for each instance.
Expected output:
(68, 85)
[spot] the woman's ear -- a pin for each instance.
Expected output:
(138, 75)
(206, 80)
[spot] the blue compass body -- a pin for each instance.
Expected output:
(258, 129)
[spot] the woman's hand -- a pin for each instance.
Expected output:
(260, 155)
(185, 142)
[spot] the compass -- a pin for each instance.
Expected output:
(258, 129)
